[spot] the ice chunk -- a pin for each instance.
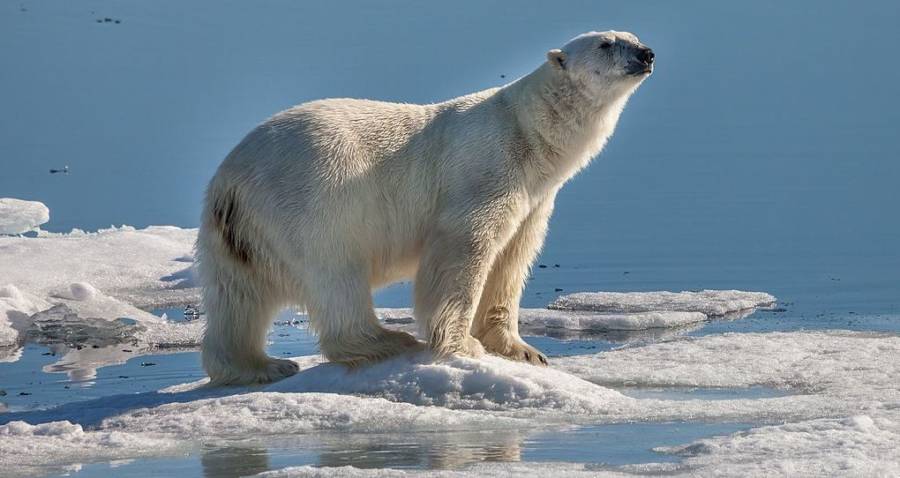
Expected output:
(18, 216)
(16, 308)
(60, 325)
(533, 319)
(709, 302)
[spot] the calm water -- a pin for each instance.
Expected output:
(761, 155)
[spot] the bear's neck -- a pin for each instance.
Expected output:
(564, 127)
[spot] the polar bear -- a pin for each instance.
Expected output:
(329, 199)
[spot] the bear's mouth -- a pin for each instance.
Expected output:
(638, 69)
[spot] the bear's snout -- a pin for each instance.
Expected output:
(645, 56)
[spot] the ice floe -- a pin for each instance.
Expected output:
(843, 390)
(18, 216)
(709, 302)
(535, 319)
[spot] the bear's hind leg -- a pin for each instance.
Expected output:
(239, 311)
(339, 303)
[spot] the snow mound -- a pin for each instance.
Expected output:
(18, 216)
(489, 383)
(708, 302)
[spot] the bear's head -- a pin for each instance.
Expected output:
(604, 65)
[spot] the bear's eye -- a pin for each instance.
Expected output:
(605, 45)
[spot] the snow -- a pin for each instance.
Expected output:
(709, 302)
(33, 450)
(18, 216)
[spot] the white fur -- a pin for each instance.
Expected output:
(329, 199)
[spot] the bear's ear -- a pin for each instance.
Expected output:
(557, 58)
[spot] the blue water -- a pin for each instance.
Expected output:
(761, 155)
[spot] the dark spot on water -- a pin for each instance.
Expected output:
(556, 265)
(147, 364)
(123, 376)
(558, 289)
(626, 273)
(543, 266)
(24, 393)
(48, 353)
(2, 393)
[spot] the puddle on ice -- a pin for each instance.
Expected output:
(617, 444)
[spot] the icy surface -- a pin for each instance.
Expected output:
(18, 216)
(99, 278)
(845, 397)
(709, 302)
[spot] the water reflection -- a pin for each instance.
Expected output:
(422, 450)
(234, 461)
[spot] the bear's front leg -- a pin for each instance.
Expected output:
(496, 322)
(452, 271)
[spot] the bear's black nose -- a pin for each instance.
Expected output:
(646, 56)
